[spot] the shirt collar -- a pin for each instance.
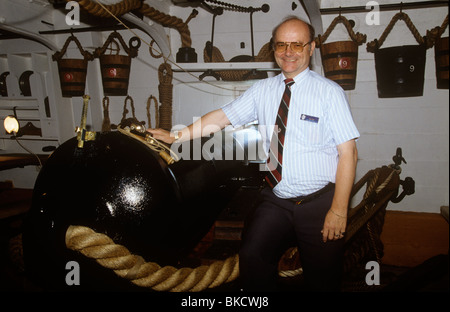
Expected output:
(297, 78)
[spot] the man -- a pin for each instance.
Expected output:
(309, 194)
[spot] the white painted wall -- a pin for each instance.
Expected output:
(419, 125)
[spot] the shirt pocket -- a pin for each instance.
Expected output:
(310, 132)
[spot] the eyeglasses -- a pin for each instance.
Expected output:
(296, 47)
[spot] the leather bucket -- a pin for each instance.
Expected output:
(339, 61)
(400, 71)
(441, 60)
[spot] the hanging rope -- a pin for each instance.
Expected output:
(59, 55)
(358, 37)
(125, 110)
(131, 50)
(149, 274)
(106, 125)
(149, 117)
(151, 49)
(165, 88)
(376, 44)
(436, 33)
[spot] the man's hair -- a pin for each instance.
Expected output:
(294, 18)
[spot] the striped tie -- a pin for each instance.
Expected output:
(275, 160)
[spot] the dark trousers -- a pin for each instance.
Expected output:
(277, 224)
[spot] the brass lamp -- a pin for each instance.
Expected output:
(11, 124)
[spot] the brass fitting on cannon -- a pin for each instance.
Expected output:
(82, 134)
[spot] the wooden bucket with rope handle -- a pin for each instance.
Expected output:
(115, 68)
(72, 71)
(440, 53)
(340, 58)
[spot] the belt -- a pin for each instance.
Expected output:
(307, 198)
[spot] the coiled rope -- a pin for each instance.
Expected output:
(165, 89)
(148, 274)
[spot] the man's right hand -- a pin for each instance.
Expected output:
(162, 135)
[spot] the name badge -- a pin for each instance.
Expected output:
(309, 118)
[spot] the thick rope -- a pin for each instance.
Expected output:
(59, 55)
(165, 88)
(131, 51)
(149, 116)
(376, 44)
(358, 37)
(148, 274)
(117, 8)
(169, 21)
(126, 6)
(434, 34)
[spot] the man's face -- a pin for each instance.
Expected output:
(292, 63)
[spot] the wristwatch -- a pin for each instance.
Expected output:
(176, 135)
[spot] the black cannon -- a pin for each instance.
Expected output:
(117, 185)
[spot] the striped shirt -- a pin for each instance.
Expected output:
(319, 120)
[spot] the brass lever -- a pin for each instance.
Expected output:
(82, 134)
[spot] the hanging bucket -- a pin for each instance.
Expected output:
(441, 60)
(340, 58)
(72, 72)
(434, 37)
(339, 61)
(115, 74)
(115, 69)
(399, 70)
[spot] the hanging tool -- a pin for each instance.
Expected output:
(82, 134)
